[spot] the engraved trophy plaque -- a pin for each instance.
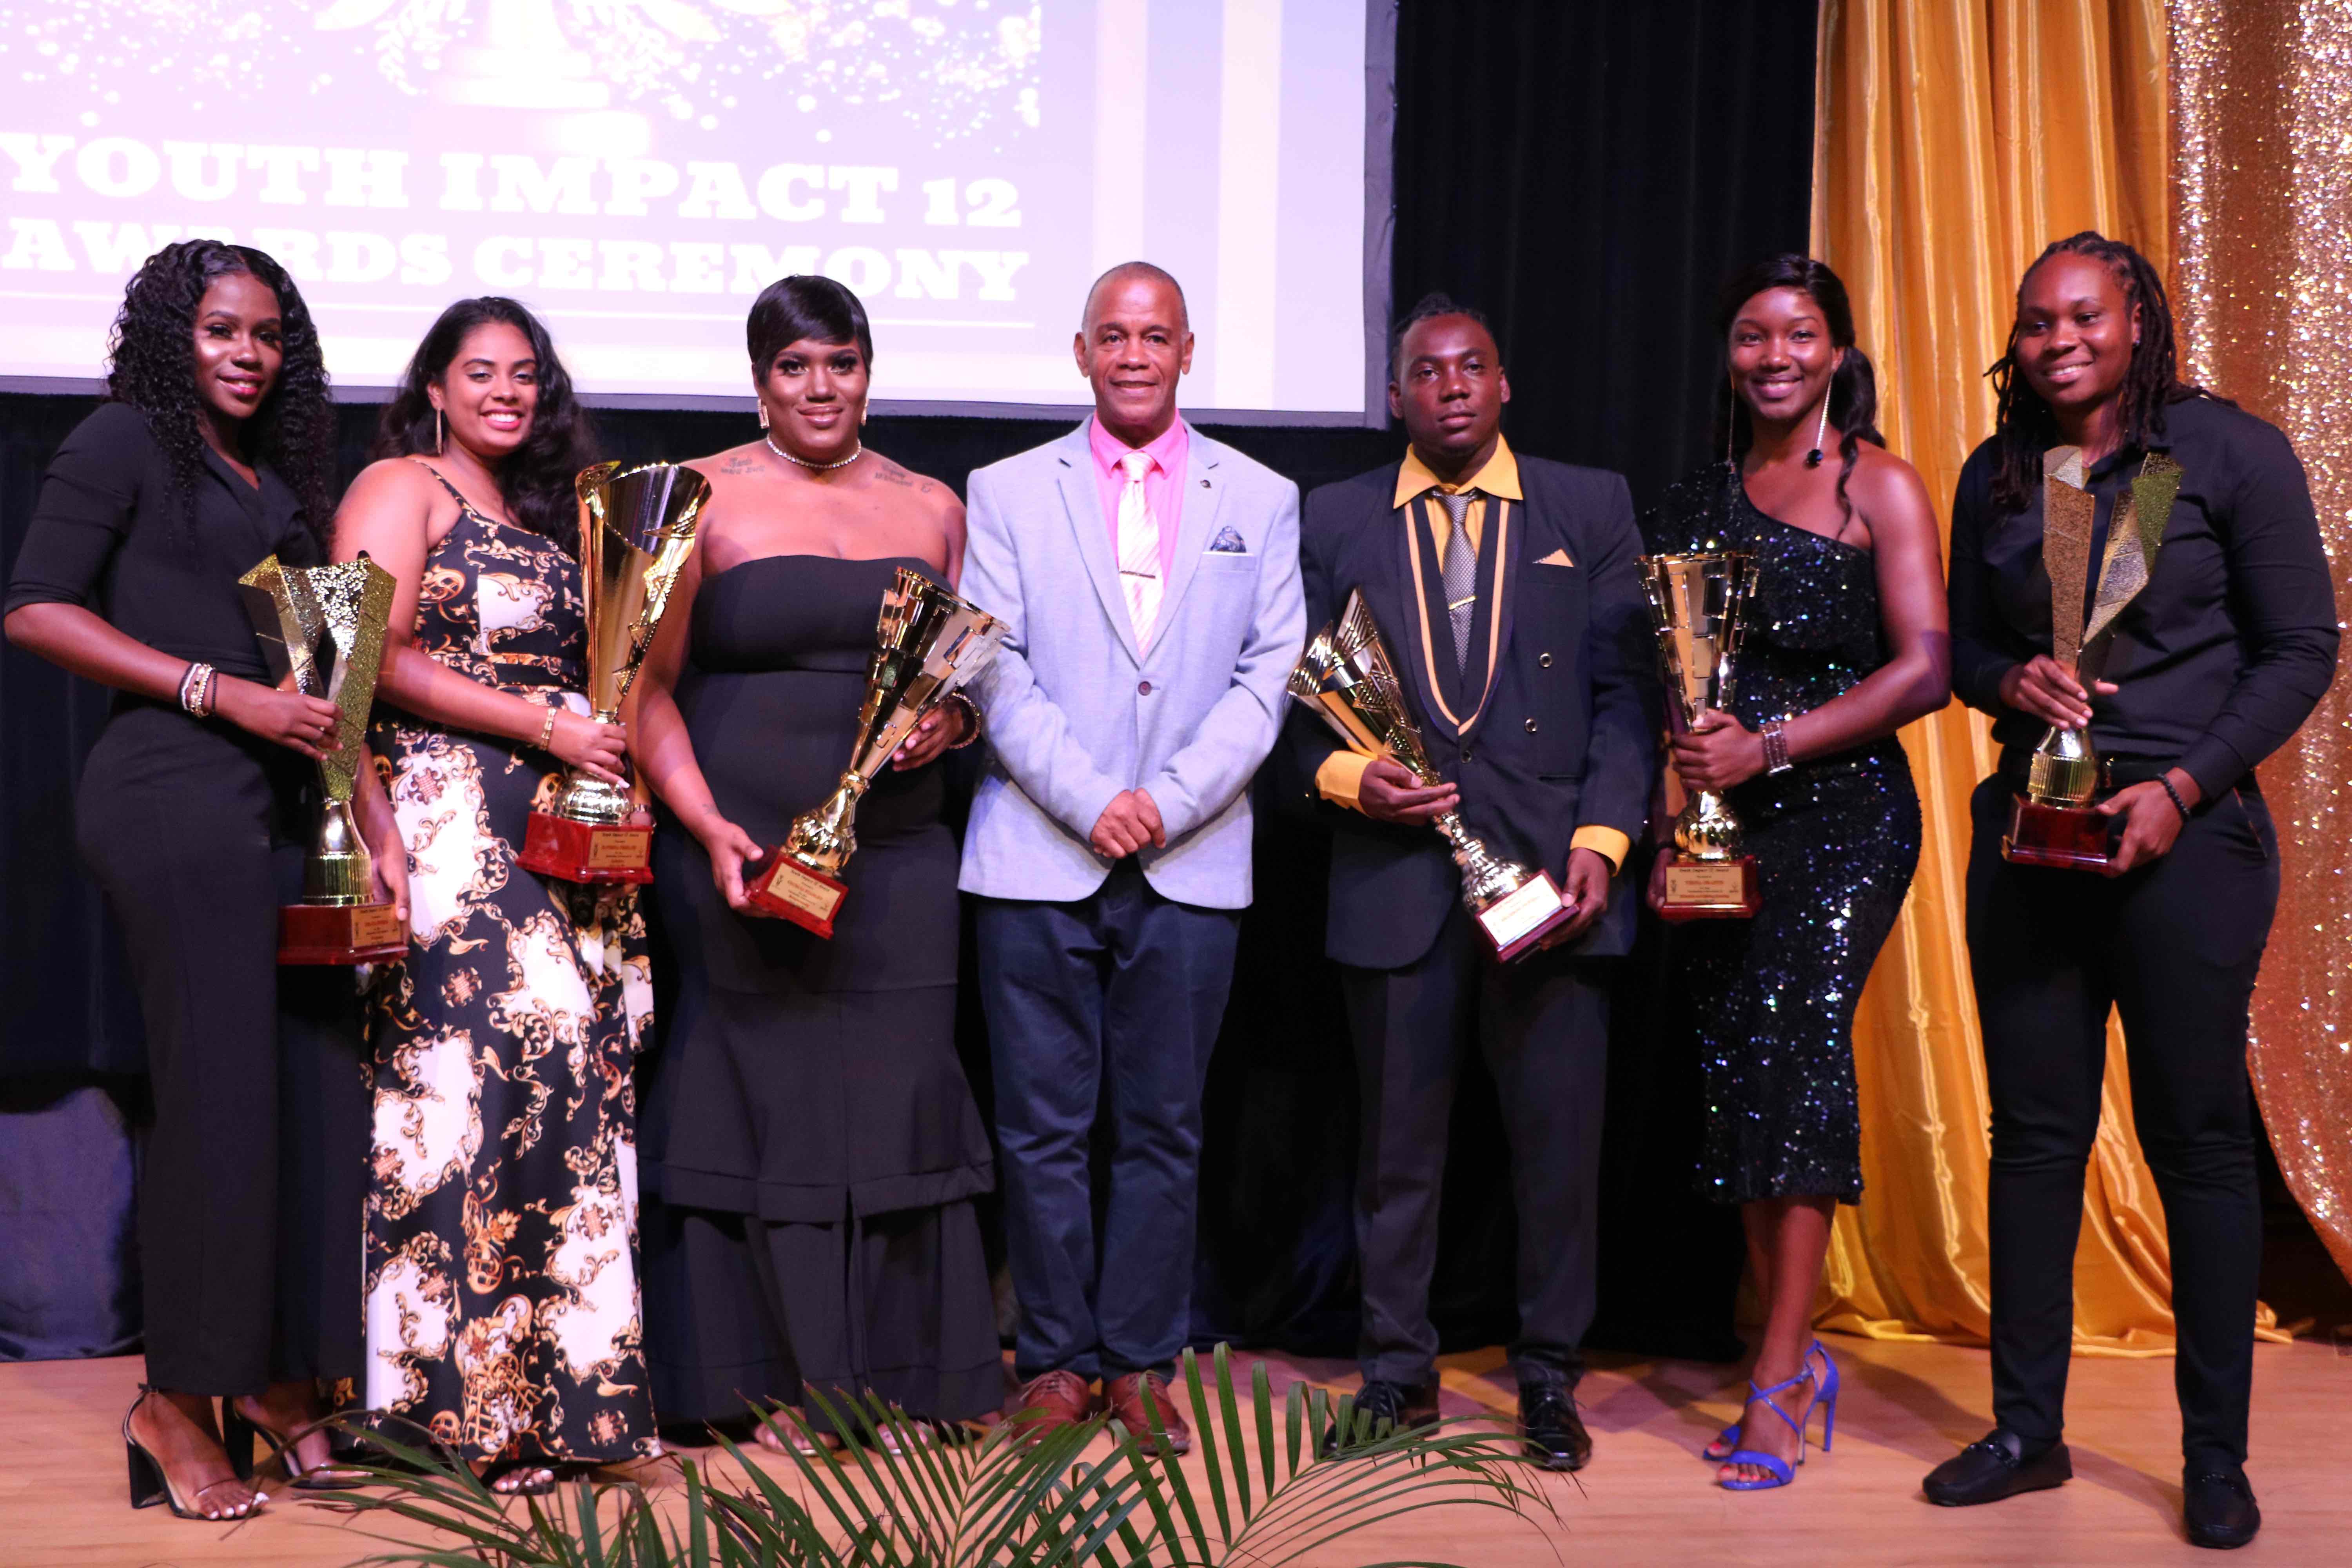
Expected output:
(1698, 604)
(929, 645)
(2052, 823)
(1347, 676)
(322, 627)
(636, 529)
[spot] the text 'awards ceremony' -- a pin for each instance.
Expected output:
(1174, 784)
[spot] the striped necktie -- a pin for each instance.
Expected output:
(1138, 548)
(1459, 569)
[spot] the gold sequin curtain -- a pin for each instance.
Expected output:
(1955, 139)
(2261, 286)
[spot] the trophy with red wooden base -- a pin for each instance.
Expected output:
(929, 646)
(2052, 823)
(637, 531)
(321, 632)
(1698, 606)
(1347, 676)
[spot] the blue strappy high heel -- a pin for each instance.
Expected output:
(1729, 1438)
(1779, 1472)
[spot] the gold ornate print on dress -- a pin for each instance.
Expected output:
(502, 1293)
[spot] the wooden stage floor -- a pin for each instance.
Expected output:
(1645, 1498)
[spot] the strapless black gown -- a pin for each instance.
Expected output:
(812, 1146)
(1836, 839)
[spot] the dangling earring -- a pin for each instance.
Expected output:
(1730, 423)
(764, 416)
(437, 442)
(1813, 458)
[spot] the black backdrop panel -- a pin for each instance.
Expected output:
(1586, 174)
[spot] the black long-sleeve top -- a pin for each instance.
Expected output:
(2225, 652)
(109, 533)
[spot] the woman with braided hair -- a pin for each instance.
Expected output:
(213, 449)
(2212, 667)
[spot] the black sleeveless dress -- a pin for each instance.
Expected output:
(502, 1306)
(812, 1146)
(1836, 839)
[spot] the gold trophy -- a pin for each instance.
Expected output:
(2052, 824)
(321, 628)
(1346, 676)
(636, 529)
(1697, 606)
(929, 645)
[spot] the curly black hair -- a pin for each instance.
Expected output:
(2023, 425)
(151, 367)
(1854, 385)
(536, 479)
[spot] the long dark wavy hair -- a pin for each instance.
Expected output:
(151, 366)
(2023, 423)
(536, 479)
(1854, 385)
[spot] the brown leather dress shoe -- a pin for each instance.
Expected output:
(1136, 1397)
(1049, 1402)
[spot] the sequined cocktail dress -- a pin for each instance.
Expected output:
(1836, 838)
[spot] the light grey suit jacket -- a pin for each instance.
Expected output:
(1077, 712)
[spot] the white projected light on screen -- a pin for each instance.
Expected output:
(636, 170)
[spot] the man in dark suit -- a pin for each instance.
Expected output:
(1506, 590)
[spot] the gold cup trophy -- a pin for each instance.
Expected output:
(928, 644)
(637, 531)
(321, 628)
(1697, 606)
(1347, 676)
(2052, 824)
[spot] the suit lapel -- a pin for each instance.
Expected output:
(1203, 494)
(1083, 503)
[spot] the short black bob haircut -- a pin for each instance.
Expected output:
(803, 307)
(1430, 307)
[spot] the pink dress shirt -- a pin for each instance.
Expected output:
(1163, 485)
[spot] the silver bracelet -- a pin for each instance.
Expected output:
(1775, 747)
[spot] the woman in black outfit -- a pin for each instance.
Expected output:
(213, 449)
(2213, 666)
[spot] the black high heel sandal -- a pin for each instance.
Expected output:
(151, 1483)
(238, 1432)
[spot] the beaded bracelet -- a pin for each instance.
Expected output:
(971, 720)
(2179, 805)
(1775, 747)
(195, 690)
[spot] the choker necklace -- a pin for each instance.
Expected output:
(803, 462)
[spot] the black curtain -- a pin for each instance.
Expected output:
(1584, 172)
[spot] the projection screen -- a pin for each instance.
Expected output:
(636, 170)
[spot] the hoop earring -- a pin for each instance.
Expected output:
(439, 445)
(764, 416)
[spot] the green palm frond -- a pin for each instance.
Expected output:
(1268, 1493)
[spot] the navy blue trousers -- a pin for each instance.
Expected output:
(1109, 1006)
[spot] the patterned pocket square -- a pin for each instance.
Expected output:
(1557, 558)
(1227, 542)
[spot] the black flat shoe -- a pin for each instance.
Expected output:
(1554, 1433)
(2218, 1507)
(1382, 1408)
(1992, 1468)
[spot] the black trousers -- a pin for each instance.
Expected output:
(2173, 947)
(254, 1178)
(1542, 1025)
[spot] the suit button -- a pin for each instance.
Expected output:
(1544, 659)
(1144, 687)
(1466, 756)
(1531, 726)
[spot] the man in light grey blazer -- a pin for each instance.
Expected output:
(1150, 576)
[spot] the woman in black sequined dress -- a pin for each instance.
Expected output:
(1846, 643)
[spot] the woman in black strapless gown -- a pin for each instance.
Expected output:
(811, 1147)
(1845, 643)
